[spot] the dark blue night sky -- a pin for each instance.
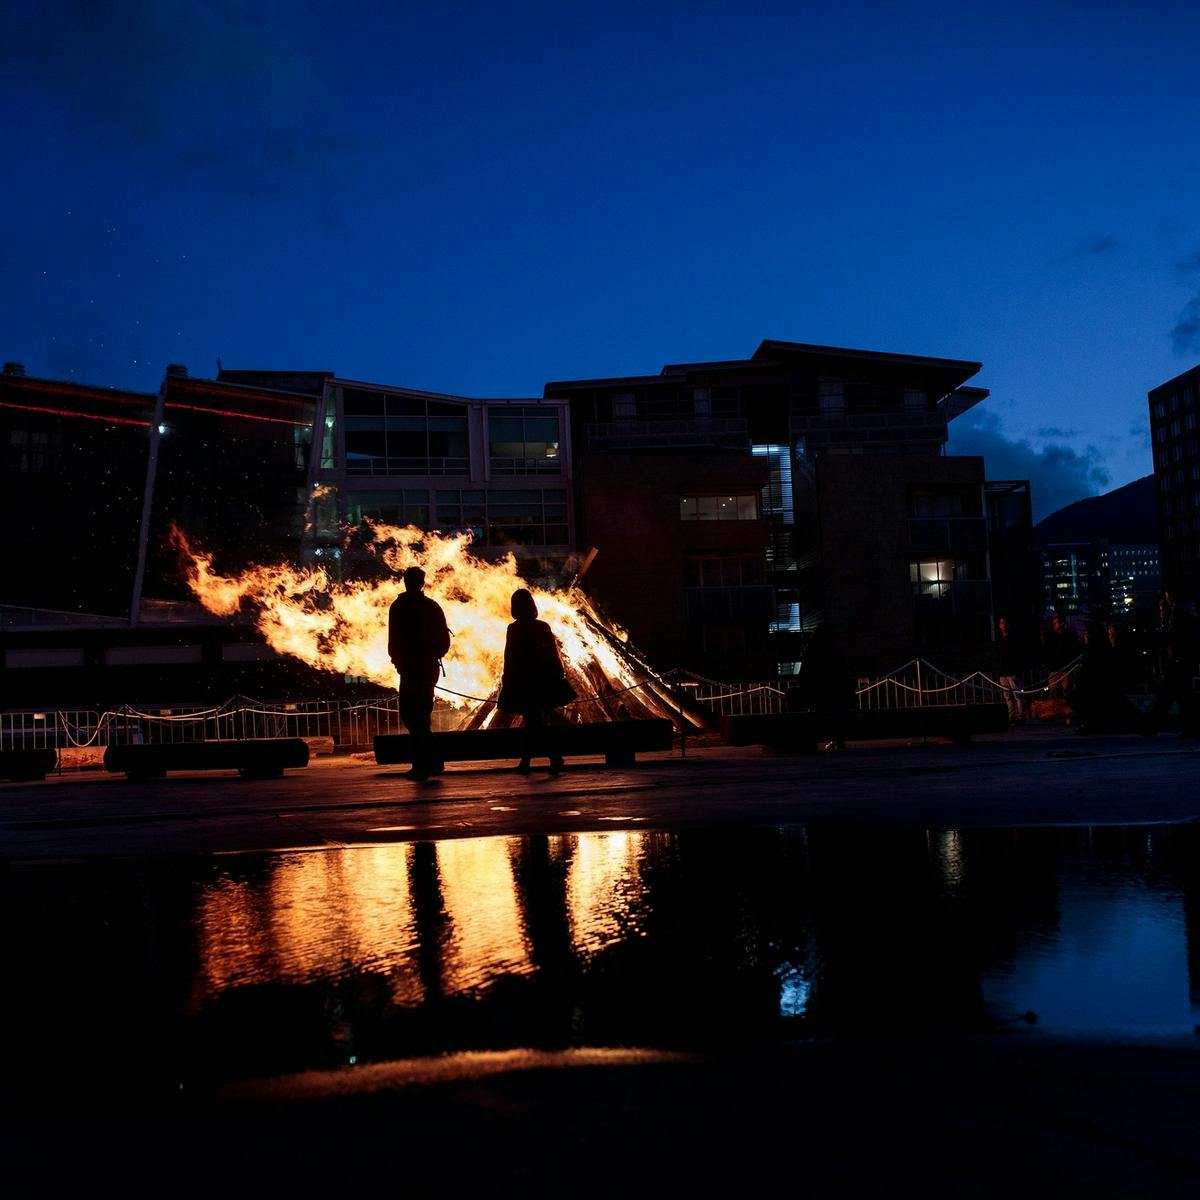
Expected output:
(478, 198)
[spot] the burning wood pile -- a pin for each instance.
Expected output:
(341, 625)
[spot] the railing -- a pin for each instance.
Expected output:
(408, 466)
(526, 466)
(919, 684)
(731, 699)
(354, 724)
(947, 535)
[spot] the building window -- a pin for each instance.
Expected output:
(723, 570)
(524, 441)
(399, 507)
(33, 451)
(831, 397)
(1173, 403)
(718, 508)
(624, 407)
(1160, 434)
(1160, 410)
(525, 517)
(932, 577)
(463, 510)
(389, 434)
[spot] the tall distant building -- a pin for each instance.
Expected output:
(1099, 579)
(1176, 441)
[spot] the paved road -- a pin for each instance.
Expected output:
(1043, 777)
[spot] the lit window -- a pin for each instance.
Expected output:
(718, 508)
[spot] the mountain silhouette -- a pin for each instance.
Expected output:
(1126, 515)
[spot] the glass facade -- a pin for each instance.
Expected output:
(507, 517)
(390, 434)
(524, 440)
(398, 507)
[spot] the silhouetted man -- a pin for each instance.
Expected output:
(417, 641)
(1182, 655)
(1008, 669)
(1060, 648)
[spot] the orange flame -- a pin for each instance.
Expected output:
(341, 626)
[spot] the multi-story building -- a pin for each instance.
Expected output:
(1096, 579)
(854, 517)
(255, 466)
(1175, 438)
(1132, 579)
(500, 468)
(1071, 581)
(734, 505)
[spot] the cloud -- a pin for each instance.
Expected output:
(1185, 334)
(1058, 474)
(1190, 264)
(1051, 432)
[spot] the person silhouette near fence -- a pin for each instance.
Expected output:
(533, 681)
(1060, 648)
(1097, 695)
(1008, 672)
(418, 639)
(824, 684)
(1181, 658)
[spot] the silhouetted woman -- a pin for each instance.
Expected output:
(534, 679)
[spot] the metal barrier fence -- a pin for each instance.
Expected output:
(346, 723)
(732, 699)
(350, 724)
(919, 684)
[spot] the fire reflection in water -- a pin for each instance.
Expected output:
(604, 887)
(314, 916)
(434, 919)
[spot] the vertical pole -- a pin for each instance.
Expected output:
(139, 574)
(920, 690)
(682, 727)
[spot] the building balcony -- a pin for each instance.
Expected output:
(721, 432)
(947, 535)
(408, 466)
(961, 597)
(526, 466)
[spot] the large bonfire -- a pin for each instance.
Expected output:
(340, 625)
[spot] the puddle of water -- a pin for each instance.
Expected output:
(165, 973)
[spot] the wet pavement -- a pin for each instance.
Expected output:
(966, 967)
(188, 974)
(1044, 777)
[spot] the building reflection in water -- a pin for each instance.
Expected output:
(629, 935)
